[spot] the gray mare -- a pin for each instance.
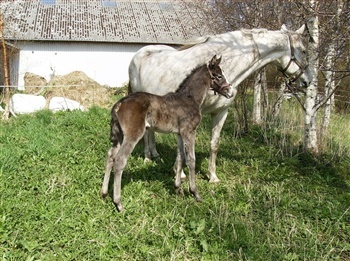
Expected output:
(159, 69)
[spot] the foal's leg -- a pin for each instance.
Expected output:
(119, 164)
(152, 143)
(180, 159)
(148, 156)
(109, 164)
(189, 141)
(217, 122)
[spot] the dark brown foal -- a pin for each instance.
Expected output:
(177, 112)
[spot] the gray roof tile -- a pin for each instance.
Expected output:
(141, 21)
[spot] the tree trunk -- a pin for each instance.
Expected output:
(330, 79)
(265, 103)
(310, 132)
(257, 98)
(329, 88)
(260, 92)
(278, 104)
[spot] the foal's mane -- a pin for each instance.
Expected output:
(187, 80)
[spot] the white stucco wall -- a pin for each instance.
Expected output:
(106, 63)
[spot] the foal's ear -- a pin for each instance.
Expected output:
(215, 61)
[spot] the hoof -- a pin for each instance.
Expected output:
(103, 195)
(147, 160)
(155, 155)
(196, 195)
(180, 191)
(213, 179)
(119, 207)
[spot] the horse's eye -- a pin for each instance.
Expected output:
(219, 77)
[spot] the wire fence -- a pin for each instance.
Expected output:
(82, 91)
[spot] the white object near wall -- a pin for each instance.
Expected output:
(64, 104)
(26, 103)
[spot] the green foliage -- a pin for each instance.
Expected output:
(268, 206)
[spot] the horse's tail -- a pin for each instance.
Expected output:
(129, 88)
(116, 135)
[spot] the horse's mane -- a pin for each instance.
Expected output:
(203, 39)
(193, 42)
(250, 32)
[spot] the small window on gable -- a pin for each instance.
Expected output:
(109, 3)
(166, 6)
(48, 2)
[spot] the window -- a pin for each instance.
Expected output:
(48, 2)
(109, 3)
(166, 6)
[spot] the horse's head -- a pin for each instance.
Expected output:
(294, 64)
(219, 84)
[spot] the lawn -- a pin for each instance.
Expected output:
(271, 204)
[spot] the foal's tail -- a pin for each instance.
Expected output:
(116, 135)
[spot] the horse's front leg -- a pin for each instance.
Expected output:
(217, 122)
(189, 143)
(152, 143)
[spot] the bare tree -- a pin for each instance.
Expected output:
(328, 44)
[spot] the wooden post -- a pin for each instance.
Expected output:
(6, 114)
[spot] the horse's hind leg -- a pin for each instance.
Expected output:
(111, 154)
(180, 159)
(119, 164)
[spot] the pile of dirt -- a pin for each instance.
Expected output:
(75, 85)
(34, 80)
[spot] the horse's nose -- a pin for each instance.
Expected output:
(305, 84)
(230, 91)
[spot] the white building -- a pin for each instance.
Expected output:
(97, 37)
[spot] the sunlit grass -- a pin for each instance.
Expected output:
(273, 202)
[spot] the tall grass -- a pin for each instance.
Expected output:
(273, 202)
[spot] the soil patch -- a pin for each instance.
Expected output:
(76, 86)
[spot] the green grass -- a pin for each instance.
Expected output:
(273, 203)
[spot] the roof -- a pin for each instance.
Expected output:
(136, 21)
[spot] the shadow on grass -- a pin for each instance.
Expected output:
(160, 169)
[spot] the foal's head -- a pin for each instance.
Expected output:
(219, 83)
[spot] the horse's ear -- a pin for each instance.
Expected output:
(301, 29)
(284, 28)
